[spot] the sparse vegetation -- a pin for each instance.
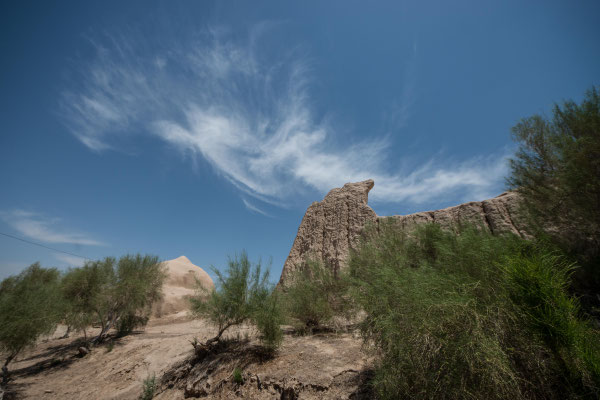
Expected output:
(29, 308)
(237, 376)
(242, 294)
(471, 316)
(268, 318)
(149, 388)
(113, 293)
(109, 292)
(314, 296)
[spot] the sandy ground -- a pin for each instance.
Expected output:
(52, 370)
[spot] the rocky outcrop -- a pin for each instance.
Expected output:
(332, 227)
(497, 215)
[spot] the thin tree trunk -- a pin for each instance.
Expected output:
(66, 335)
(218, 337)
(105, 329)
(100, 336)
(5, 367)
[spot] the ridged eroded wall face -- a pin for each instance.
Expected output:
(497, 215)
(331, 227)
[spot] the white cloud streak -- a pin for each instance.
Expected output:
(250, 118)
(38, 227)
(254, 208)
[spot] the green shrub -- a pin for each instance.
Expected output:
(113, 293)
(30, 306)
(149, 388)
(268, 318)
(314, 296)
(237, 376)
(242, 294)
(138, 286)
(127, 323)
(538, 282)
(448, 319)
(80, 289)
(557, 172)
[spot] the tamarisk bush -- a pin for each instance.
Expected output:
(242, 294)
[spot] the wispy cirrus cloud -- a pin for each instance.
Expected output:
(44, 229)
(250, 206)
(223, 100)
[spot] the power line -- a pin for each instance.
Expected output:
(41, 245)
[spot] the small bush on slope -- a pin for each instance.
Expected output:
(149, 388)
(454, 316)
(268, 318)
(314, 296)
(242, 294)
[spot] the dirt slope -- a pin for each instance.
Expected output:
(311, 367)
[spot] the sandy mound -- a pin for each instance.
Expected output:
(179, 285)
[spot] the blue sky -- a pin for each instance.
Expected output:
(204, 128)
